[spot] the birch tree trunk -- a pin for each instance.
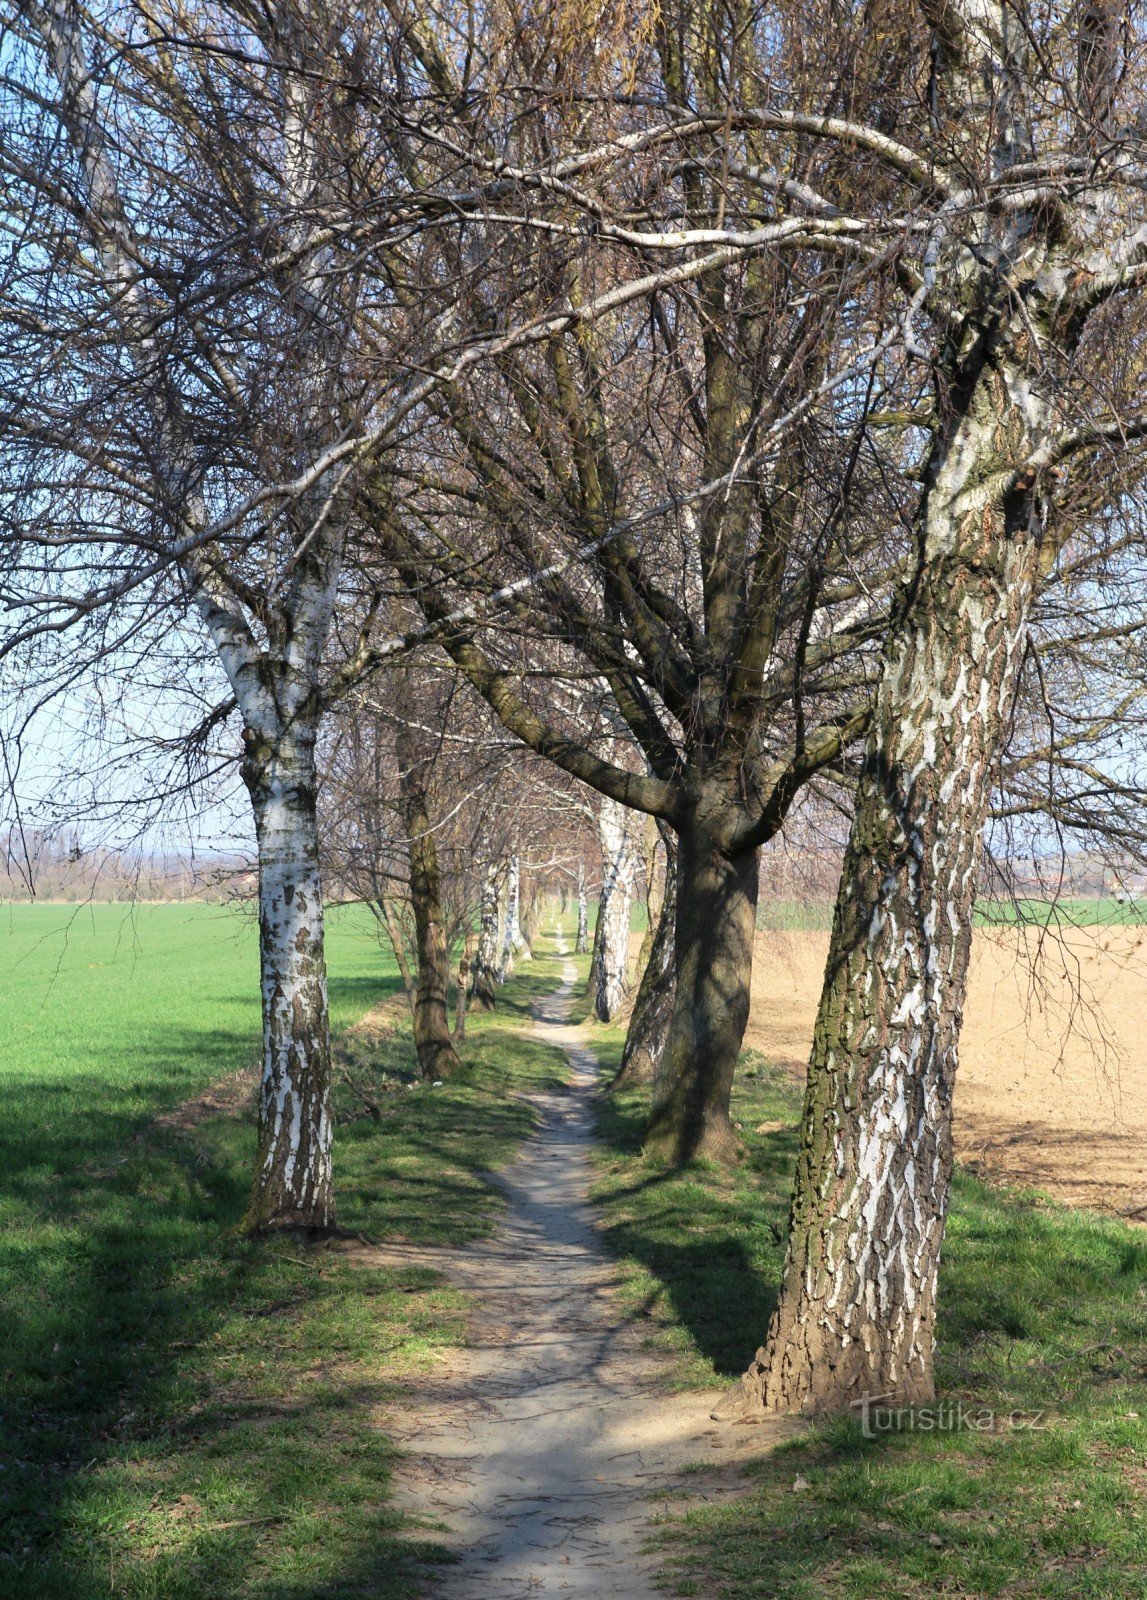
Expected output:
(653, 1008)
(437, 1057)
(486, 962)
(511, 935)
(618, 869)
(858, 1301)
(581, 943)
(292, 1185)
(715, 923)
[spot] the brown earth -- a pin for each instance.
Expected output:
(1052, 1089)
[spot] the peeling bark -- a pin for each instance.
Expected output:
(618, 870)
(292, 1185)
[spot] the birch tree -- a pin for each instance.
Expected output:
(1031, 273)
(615, 904)
(188, 247)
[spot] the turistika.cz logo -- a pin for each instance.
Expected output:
(880, 1413)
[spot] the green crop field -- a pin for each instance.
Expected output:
(1097, 912)
(186, 1414)
(789, 916)
(144, 1002)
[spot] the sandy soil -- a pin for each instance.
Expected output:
(1052, 1089)
(536, 1452)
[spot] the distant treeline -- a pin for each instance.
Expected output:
(57, 866)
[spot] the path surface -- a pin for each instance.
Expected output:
(540, 1450)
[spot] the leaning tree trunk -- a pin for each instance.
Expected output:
(653, 1008)
(713, 957)
(486, 962)
(437, 1057)
(858, 1301)
(581, 943)
(293, 1185)
(612, 943)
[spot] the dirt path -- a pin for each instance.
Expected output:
(540, 1449)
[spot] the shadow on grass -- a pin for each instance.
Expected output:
(707, 1242)
(1043, 1319)
(166, 1425)
(190, 1416)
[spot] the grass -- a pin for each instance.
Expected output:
(1043, 1310)
(1101, 912)
(787, 916)
(185, 1414)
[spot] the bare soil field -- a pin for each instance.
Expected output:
(1052, 1089)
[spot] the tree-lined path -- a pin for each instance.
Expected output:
(541, 1449)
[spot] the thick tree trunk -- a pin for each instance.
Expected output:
(612, 953)
(486, 963)
(653, 1008)
(437, 1057)
(292, 1185)
(581, 943)
(858, 1299)
(713, 957)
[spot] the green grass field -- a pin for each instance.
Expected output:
(788, 916)
(1043, 1314)
(187, 1415)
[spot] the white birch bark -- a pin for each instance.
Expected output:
(293, 1183)
(486, 962)
(511, 934)
(581, 943)
(619, 869)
